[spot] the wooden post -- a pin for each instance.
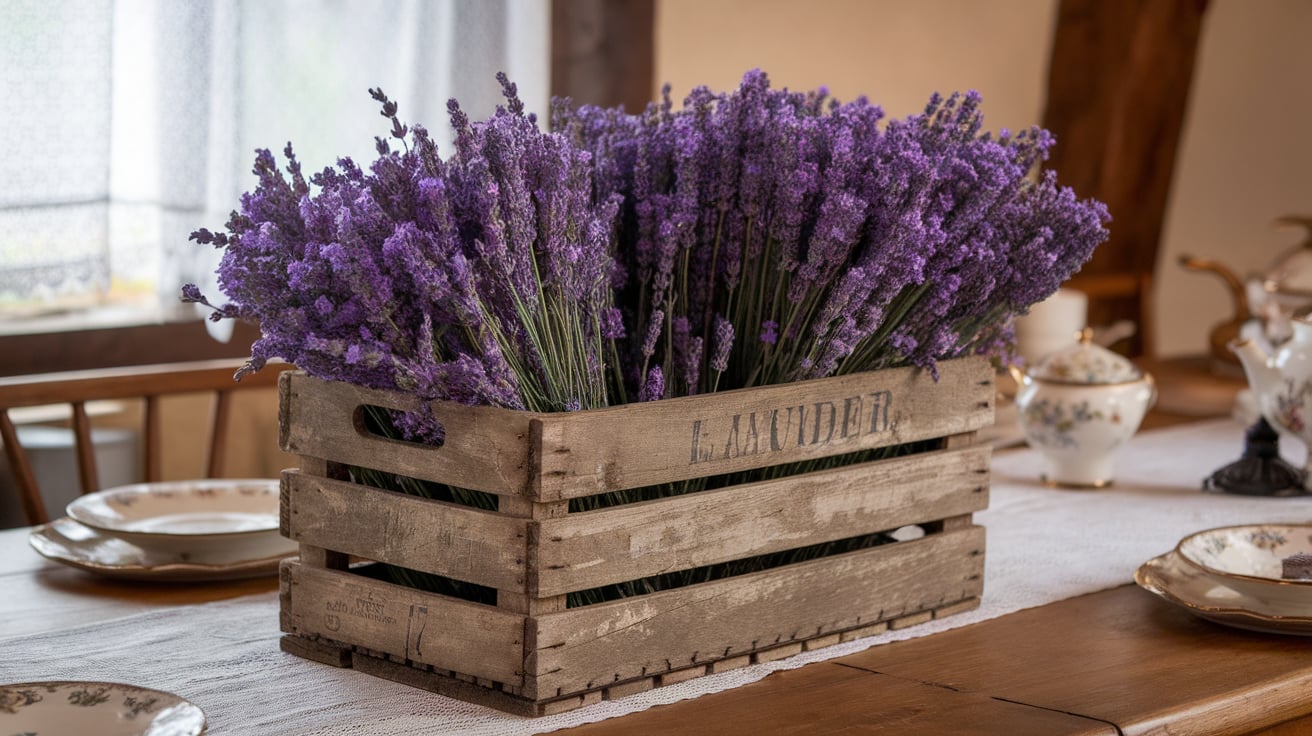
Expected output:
(1118, 87)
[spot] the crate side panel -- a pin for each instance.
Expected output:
(425, 628)
(629, 542)
(587, 647)
(677, 439)
(476, 546)
(486, 448)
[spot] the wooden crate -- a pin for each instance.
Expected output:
(530, 653)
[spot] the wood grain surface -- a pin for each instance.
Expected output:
(1116, 659)
(591, 452)
(485, 448)
(468, 544)
(425, 628)
(826, 698)
(629, 638)
(1121, 656)
(551, 457)
(584, 550)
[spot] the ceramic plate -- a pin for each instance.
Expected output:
(199, 521)
(1177, 581)
(101, 708)
(67, 541)
(1249, 559)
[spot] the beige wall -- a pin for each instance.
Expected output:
(894, 52)
(1245, 157)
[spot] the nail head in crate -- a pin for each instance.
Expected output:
(540, 640)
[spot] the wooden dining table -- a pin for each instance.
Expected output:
(1116, 661)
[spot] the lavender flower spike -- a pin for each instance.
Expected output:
(653, 389)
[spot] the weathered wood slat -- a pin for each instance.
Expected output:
(585, 453)
(485, 447)
(677, 439)
(588, 647)
(468, 544)
(629, 542)
(512, 699)
(425, 628)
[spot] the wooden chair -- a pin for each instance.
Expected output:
(145, 383)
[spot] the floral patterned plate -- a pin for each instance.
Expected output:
(1249, 559)
(101, 708)
(67, 541)
(198, 520)
(1177, 581)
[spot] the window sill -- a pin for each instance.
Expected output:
(98, 318)
(111, 338)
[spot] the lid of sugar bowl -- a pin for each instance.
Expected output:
(1085, 362)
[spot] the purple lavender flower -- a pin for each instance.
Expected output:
(692, 364)
(612, 324)
(653, 388)
(654, 326)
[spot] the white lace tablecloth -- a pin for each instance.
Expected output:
(1043, 545)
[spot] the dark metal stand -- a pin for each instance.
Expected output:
(1261, 471)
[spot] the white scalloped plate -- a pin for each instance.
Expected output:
(66, 541)
(1249, 559)
(101, 708)
(1177, 581)
(216, 520)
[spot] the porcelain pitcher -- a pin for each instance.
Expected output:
(1282, 382)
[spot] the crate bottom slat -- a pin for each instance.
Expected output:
(507, 698)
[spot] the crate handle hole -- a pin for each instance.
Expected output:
(418, 427)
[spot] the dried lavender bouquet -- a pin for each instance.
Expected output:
(747, 238)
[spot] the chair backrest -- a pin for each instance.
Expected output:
(147, 383)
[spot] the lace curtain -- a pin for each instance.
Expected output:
(129, 123)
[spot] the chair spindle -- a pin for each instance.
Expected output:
(86, 449)
(151, 438)
(218, 434)
(29, 496)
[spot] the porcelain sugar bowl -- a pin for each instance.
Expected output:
(1076, 406)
